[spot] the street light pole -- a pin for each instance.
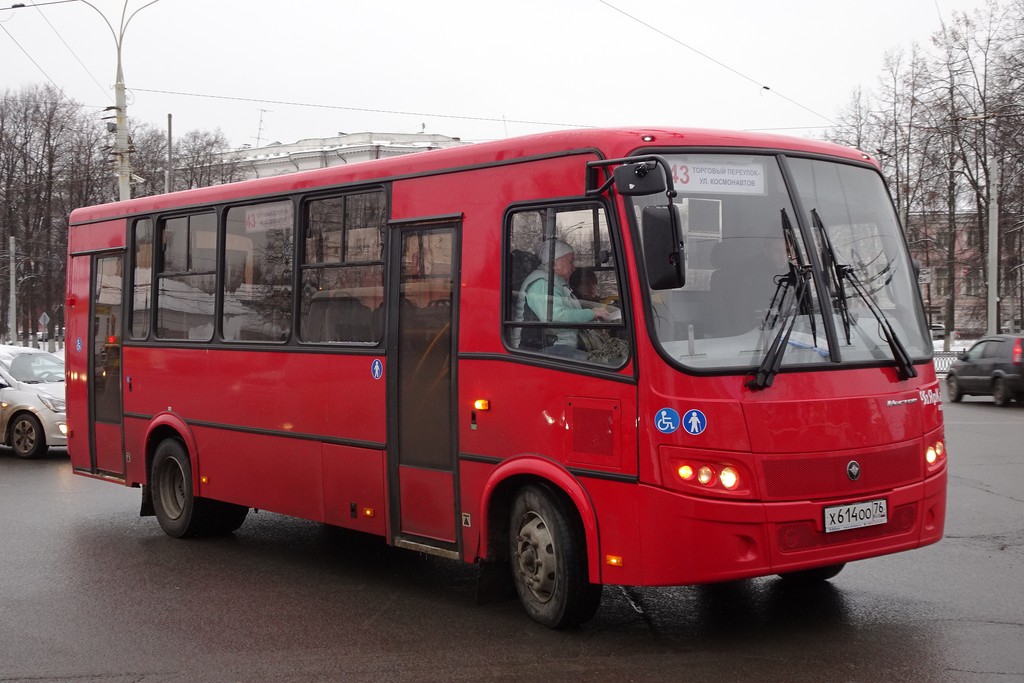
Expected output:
(122, 147)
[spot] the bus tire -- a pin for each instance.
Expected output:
(816, 575)
(26, 436)
(549, 566)
(177, 509)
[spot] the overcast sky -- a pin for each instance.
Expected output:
(475, 69)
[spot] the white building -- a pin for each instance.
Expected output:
(278, 158)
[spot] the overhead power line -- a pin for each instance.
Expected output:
(34, 62)
(715, 61)
(314, 105)
(53, 28)
(21, 5)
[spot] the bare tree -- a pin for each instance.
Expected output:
(37, 127)
(149, 160)
(199, 162)
(53, 159)
(937, 119)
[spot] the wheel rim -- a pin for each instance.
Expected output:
(24, 436)
(171, 489)
(535, 562)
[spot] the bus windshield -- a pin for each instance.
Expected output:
(764, 260)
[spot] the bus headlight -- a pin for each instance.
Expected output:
(935, 456)
(729, 477)
(705, 472)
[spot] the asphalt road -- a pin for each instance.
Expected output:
(89, 591)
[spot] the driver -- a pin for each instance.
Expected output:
(546, 296)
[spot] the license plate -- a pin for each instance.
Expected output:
(856, 515)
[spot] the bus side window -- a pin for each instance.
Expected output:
(563, 282)
(187, 246)
(343, 270)
(142, 279)
(258, 272)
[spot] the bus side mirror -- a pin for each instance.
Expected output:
(663, 247)
(639, 179)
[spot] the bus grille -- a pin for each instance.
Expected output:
(797, 536)
(820, 476)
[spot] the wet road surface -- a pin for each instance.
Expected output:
(90, 591)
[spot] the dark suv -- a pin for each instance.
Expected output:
(994, 366)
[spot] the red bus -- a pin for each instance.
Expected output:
(628, 357)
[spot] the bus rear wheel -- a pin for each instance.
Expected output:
(180, 513)
(173, 500)
(549, 566)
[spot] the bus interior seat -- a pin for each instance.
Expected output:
(347, 319)
(522, 264)
(338, 319)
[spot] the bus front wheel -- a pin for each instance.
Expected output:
(549, 566)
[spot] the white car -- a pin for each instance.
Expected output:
(32, 409)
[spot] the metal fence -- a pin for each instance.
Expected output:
(943, 359)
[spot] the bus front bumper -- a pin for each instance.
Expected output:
(684, 540)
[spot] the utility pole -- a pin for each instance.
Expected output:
(12, 318)
(170, 156)
(993, 246)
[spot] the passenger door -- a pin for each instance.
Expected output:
(105, 400)
(422, 436)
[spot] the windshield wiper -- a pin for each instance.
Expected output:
(835, 271)
(904, 365)
(797, 278)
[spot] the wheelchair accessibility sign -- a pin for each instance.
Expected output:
(668, 421)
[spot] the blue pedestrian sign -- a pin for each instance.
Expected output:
(376, 368)
(694, 422)
(667, 420)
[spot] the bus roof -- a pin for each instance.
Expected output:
(611, 142)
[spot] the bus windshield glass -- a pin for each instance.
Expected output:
(763, 261)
